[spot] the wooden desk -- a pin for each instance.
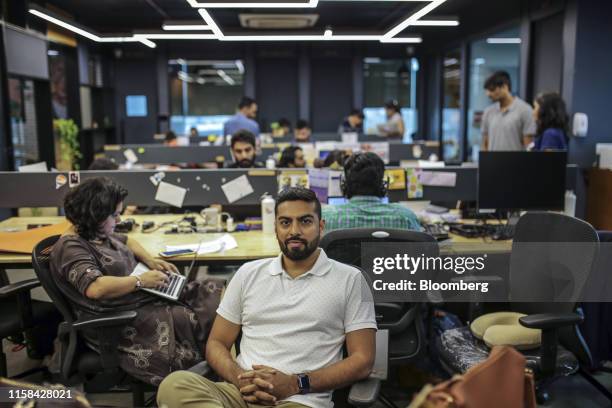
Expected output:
(251, 244)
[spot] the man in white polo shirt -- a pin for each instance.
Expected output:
(295, 312)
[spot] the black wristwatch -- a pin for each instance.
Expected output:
(303, 383)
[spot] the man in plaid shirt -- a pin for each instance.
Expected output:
(365, 188)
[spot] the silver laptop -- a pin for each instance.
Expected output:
(172, 291)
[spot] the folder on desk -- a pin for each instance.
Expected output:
(23, 242)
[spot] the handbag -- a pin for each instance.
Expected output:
(501, 381)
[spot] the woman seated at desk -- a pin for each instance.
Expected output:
(394, 127)
(92, 265)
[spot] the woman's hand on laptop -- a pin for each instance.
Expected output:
(154, 279)
(161, 265)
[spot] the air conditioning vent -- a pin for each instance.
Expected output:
(278, 21)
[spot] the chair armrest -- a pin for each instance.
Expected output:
(364, 393)
(18, 287)
(108, 320)
(545, 321)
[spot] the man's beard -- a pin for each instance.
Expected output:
(245, 163)
(299, 254)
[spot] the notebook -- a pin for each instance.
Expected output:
(172, 291)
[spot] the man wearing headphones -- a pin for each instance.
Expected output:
(364, 187)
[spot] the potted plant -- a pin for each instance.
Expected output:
(69, 148)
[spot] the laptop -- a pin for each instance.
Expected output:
(172, 291)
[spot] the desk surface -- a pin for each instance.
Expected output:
(251, 245)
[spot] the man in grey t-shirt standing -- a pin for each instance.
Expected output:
(507, 124)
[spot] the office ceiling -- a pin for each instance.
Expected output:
(127, 16)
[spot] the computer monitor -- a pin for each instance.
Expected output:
(517, 181)
(343, 200)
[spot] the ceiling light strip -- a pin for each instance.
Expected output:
(211, 23)
(185, 27)
(414, 17)
(176, 36)
(197, 4)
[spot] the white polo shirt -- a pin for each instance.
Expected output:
(297, 325)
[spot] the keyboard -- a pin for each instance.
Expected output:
(176, 283)
(501, 232)
(438, 231)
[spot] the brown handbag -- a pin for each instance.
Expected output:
(501, 381)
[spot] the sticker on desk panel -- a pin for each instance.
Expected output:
(396, 179)
(157, 178)
(60, 181)
(237, 189)
(170, 194)
(130, 156)
(74, 179)
(414, 186)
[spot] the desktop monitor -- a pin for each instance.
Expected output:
(517, 181)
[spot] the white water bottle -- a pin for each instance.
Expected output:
(267, 213)
(570, 203)
(270, 163)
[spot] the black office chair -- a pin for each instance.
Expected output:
(30, 315)
(79, 362)
(403, 320)
(538, 272)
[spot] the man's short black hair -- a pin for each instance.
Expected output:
(91, 203)
(245, 102)
(497, 80)
(298, 194)
(393, 104)
(103, 164)
(243, 136)
(302, 124)
(170, 136)
(356, 112)
(364, 176)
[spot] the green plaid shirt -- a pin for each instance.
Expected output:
(369, 212)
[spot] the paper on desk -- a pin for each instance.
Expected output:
(438, 178)
(140, 269)
(33, 168)
(350, 137)
(130, 156)
(334, 189)
(237, 188)
(318, 179)
(170, 194)
(216, 245)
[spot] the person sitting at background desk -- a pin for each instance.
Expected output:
(170, 139)
(244, 119)
(92, 265)
(394, 127)
(302, 131)
(281, 128)
(243, 150)
(292, 157)
(295, 312)
(353, 123)
(552, 122)
(365, 187)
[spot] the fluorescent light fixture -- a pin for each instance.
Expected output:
(503, 40)
(147, 42)
(434, 23)
(450, 61)
(185, 27)
(211, 23)
(412, 19)
(198, 4)
(65, 25)
(402, 40)
(226, 77)
(177, 36)
(239, 66)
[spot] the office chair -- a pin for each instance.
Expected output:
(404, 321)
(30, 314)
(539, 273)
(75, 355)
